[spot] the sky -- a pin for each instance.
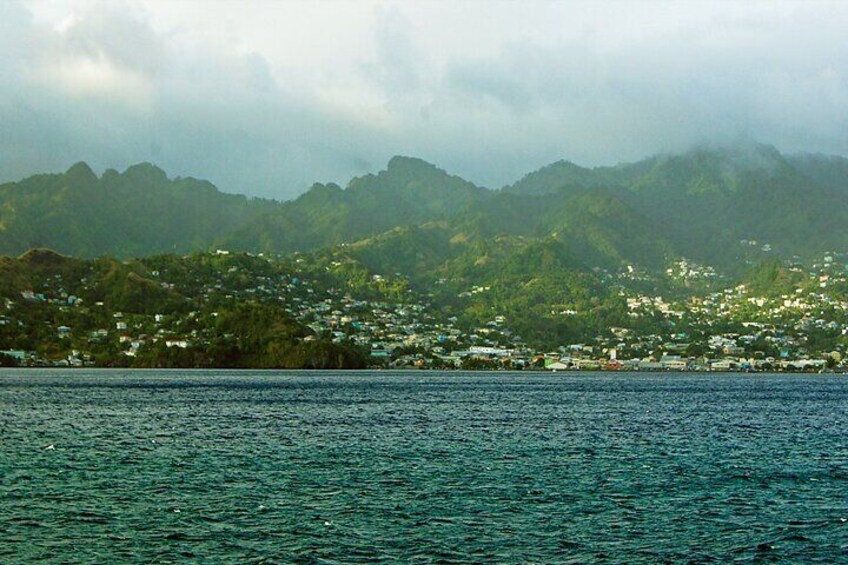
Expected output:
(267, 97)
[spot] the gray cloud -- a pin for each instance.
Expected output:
(219, 115)
(112, 88)
(398, 63)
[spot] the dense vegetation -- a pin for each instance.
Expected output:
(700, 205)
(556, 254)
(135, 213)
(708, 200)
(205, 317)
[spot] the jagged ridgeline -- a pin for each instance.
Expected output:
(702, 205)
(135, 213)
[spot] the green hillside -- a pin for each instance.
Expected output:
(408, 192)
(727, 207)
(55, 304)
(135, 213)
(708, 200)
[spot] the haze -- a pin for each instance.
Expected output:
(265, 98)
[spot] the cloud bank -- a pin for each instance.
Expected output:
(267, 97)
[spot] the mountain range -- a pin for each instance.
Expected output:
(713, 205)
(554, 252)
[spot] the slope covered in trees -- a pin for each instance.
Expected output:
(122, 313)
(715, 205)
(135, 213)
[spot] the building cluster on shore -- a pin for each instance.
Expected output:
(727, 330)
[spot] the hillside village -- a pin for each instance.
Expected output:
(658, 264)
(740, 328)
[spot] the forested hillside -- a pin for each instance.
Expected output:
(724, 207)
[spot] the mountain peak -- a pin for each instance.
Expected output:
(553, 177)
(146, 171)
(752, 155)
(321, 194)
(400, 164)
(81, 173)
(43, 257)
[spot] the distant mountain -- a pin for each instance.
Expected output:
(134, 213)
(142, 212)
(409, 191)
(721, 206)
(829, 171)
(702, 170)
(554, 177)
(707, 200)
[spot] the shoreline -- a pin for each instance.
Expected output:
(427, 370)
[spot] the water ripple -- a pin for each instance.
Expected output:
(257, 467)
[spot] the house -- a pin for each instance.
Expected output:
(674, 363)
(485, 350)
(587, 364)
(380, 353)
(724, 365)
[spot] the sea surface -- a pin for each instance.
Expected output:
(414, 467)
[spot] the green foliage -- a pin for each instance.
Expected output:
(8, 360)
(255, 335)
(557, 176)
(138, 212)
(705, 201)
(235, 332)
(772, 278)
(699, 205)
(408, 192)
(326, 355)
(478, 364)
(543, 253)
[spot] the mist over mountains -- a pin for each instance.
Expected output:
(699, 205)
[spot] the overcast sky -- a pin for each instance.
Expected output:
(266, 98)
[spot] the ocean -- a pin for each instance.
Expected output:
(102, 466)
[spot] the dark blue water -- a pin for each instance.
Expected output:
(215, 467)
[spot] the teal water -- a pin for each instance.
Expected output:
(241, 467)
